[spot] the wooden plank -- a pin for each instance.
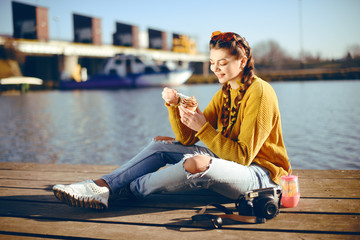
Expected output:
(287, 222)
(190, 201)
(25, 236)
(328, 174)
(320, 188)
(75, 177)
(302, 173)
(96, 230)
(60, 177)
(56, 167)
(326, 206)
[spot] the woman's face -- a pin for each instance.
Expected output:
(227, 68)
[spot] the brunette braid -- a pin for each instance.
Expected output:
(239, 49)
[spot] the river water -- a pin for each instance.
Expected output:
(320, 120)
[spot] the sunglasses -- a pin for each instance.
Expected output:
(226, 37)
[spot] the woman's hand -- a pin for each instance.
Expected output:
(170, 96)
(193, 120)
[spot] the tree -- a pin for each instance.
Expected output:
(269, 54)
(353, 51)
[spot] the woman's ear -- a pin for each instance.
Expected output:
(243, 62)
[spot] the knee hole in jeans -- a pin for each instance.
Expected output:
(197, 164)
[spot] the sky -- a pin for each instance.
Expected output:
(326, 28)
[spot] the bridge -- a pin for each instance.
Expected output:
(37, 47)
(49, 60)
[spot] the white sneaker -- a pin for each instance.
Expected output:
(86, 194)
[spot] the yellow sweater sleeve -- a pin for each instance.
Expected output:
(183, 134)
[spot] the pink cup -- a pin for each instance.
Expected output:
(290, 191)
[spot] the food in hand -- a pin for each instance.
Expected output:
(189, 103)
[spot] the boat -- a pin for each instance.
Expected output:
(17, 80)
(130, 71)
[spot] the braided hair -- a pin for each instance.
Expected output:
(239, 48)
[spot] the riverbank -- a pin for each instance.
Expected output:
(292, 75)
(268, 75)
(329, 208)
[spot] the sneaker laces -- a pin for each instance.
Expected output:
(96, 188)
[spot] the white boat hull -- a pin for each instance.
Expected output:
(175, 78)
(171, 79)
(21, 80)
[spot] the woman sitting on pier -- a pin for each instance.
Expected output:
(240, 127)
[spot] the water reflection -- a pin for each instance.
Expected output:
(320, 124)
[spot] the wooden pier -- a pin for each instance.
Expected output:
(329, 209)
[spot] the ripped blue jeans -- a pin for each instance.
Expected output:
(159, 168)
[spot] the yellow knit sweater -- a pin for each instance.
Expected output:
(256, 135)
